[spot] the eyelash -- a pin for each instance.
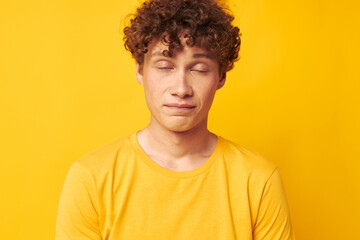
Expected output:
(192, 70)
(200, 71)
(162, 68)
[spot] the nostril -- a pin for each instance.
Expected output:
(182, 91)
(181, 83)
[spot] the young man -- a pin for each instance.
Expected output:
(175, 179)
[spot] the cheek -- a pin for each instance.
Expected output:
(153, 92)
(206, 94)
(157, 85)
(150, 95)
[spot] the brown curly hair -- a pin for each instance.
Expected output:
(207, 24)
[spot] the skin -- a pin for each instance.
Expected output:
(179, 92)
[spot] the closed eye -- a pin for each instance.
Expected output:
(199, 70)
(164, 67)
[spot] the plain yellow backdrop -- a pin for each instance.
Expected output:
(68, 86)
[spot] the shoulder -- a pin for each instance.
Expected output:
(106, 157)
(246, 161)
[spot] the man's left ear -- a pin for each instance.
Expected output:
(222, 81)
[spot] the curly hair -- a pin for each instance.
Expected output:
(206, 24)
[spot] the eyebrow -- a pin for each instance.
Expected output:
(157, 53)
(203, 55)
(196, 55)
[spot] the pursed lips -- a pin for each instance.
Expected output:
(180, 107)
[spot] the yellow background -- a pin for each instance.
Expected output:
(68, 86)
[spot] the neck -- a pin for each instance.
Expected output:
(161, 143)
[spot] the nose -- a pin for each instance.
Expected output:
(181, 86)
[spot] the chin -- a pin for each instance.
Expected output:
(180, 129)
(177, 128)
(180, 126)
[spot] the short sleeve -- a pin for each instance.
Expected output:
(78, 217)
(273, 219)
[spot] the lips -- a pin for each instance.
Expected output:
(180, 107)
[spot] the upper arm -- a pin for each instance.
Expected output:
(273, 219)
(78, 216)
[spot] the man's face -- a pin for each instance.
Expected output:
(179, 90)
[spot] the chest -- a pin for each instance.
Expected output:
(152, 207)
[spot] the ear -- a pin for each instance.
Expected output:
(139, 75)
(222, 81)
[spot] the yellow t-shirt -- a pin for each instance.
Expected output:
(118, 192)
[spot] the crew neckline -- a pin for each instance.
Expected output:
(170, 173)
